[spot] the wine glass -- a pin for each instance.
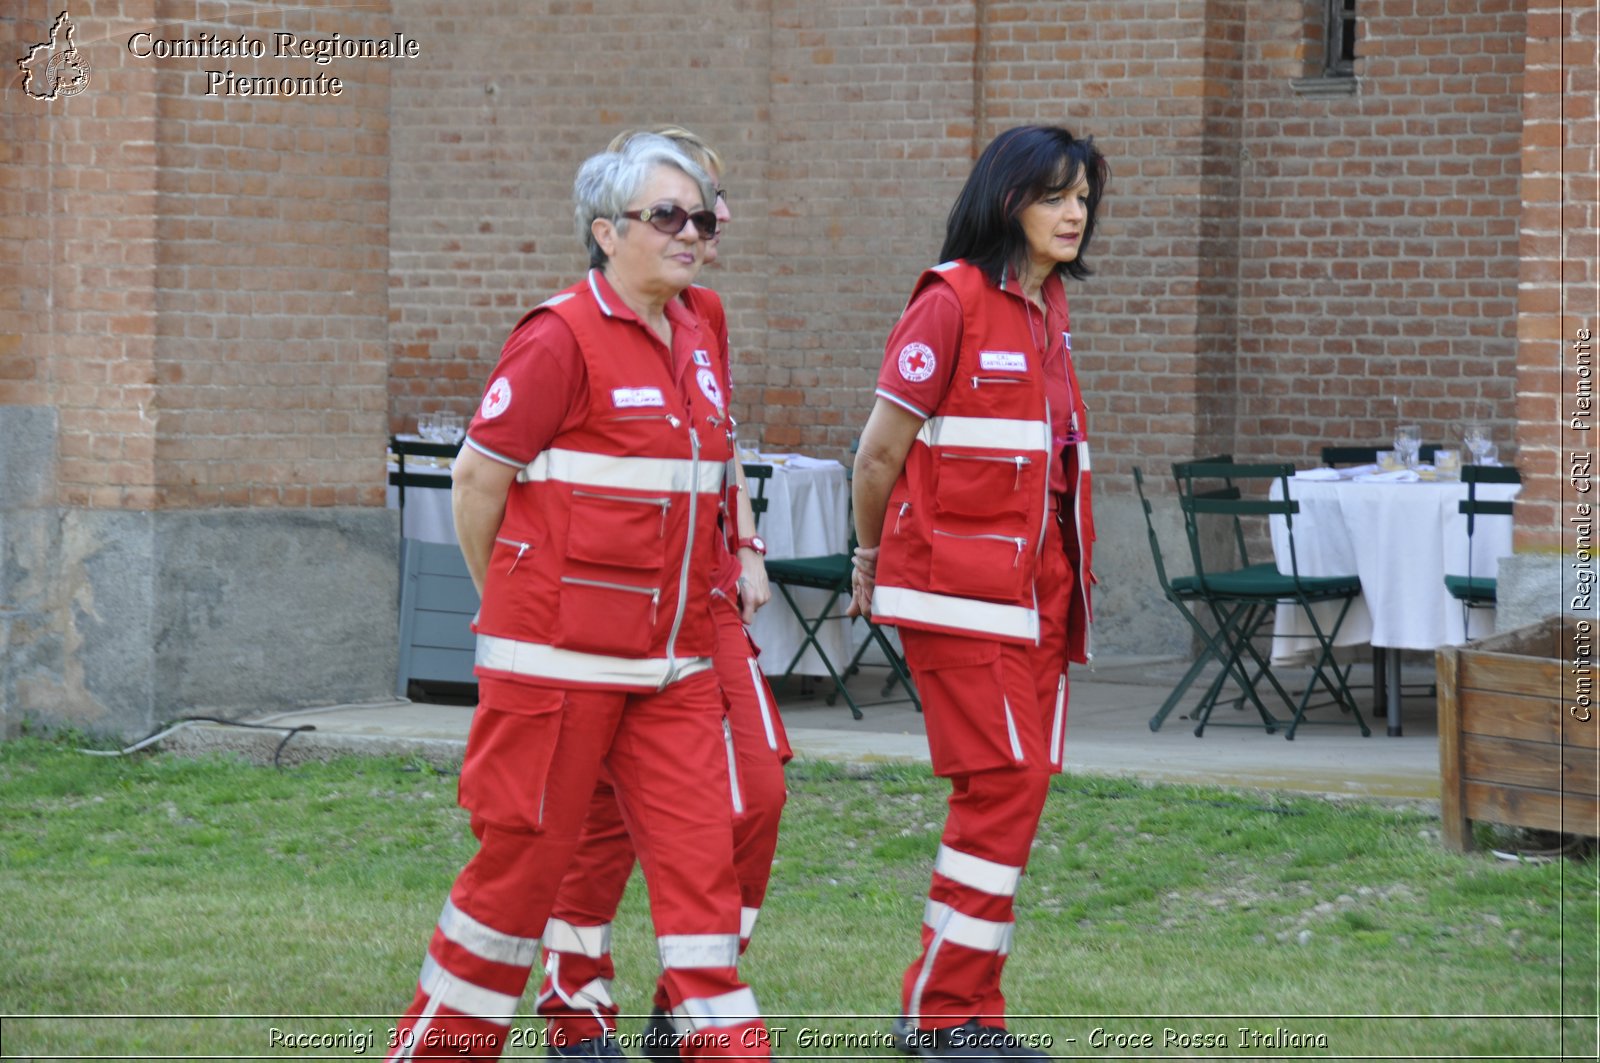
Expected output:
(428, 427)
(452, 428)
(1408, 443)
(1477, 438)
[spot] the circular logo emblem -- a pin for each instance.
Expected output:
(709, 387)
(496, 401)
(916, 362)
(67, 74)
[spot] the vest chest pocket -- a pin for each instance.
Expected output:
(984, 485)
(981, 565)
(610, 587)
(618, 531)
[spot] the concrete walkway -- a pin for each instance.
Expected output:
(1108, 733)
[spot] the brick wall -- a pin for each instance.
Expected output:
(1274, 270)
(200, 281)
(1377, 266)
(78, 255)
(1560, 238)
(491, 126)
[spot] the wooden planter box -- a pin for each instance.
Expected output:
(1510, 749)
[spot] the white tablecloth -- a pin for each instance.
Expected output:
(808, 508)
(808, 505)
(427, 515)
(1401, 539)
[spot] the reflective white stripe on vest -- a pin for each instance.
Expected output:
(991, 433)
(550, 662)
(730, 1009)
(451, 992)
(974, 872)
(486, 942)
(672, 475)
(957, 929)
(961, 614)
(591, 941)
(698, 950)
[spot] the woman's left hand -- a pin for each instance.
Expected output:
(754, 591)
(863, 575)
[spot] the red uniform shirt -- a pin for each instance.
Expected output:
(923, 346)
(540, 386)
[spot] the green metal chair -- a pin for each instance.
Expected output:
(1186, 596)
(1479, 592)
(1261, 588)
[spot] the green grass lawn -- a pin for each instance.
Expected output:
(225, 901)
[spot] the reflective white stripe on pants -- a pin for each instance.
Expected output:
(974, 872)
(737, 1008)
(448, 990)
(484, 941)
(982, 935)
(747, 922)
(1058, 729)
(698, 950)
(591, 941)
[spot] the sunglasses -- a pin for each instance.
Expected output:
(671, 220)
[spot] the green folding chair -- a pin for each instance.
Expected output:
(831, 574)
(1186, 596)
(1262, 588)
(1479, 592)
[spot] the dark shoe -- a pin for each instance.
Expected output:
(605, 1047)
(661, 1040)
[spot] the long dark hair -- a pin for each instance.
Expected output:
(1020, 167)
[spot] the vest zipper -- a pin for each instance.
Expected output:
(665, 502)
(1020, 543)
(522, 548)
(688, 552)
(653, 592)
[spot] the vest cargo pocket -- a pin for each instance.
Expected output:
(607, 612)
(984, 485)
(984, 565)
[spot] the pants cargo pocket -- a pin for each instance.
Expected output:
(506, 771)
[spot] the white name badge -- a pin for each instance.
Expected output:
(1003, 361)
(632, 398)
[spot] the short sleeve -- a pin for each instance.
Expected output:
(538, 390)
(919, 360)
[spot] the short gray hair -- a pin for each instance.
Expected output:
(607, 181)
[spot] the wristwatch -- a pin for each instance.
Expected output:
(754, 542)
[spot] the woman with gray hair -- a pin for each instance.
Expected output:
(586, 502)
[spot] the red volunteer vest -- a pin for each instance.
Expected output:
(601, 571)
(965, 525)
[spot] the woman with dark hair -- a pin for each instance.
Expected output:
(972, 511)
